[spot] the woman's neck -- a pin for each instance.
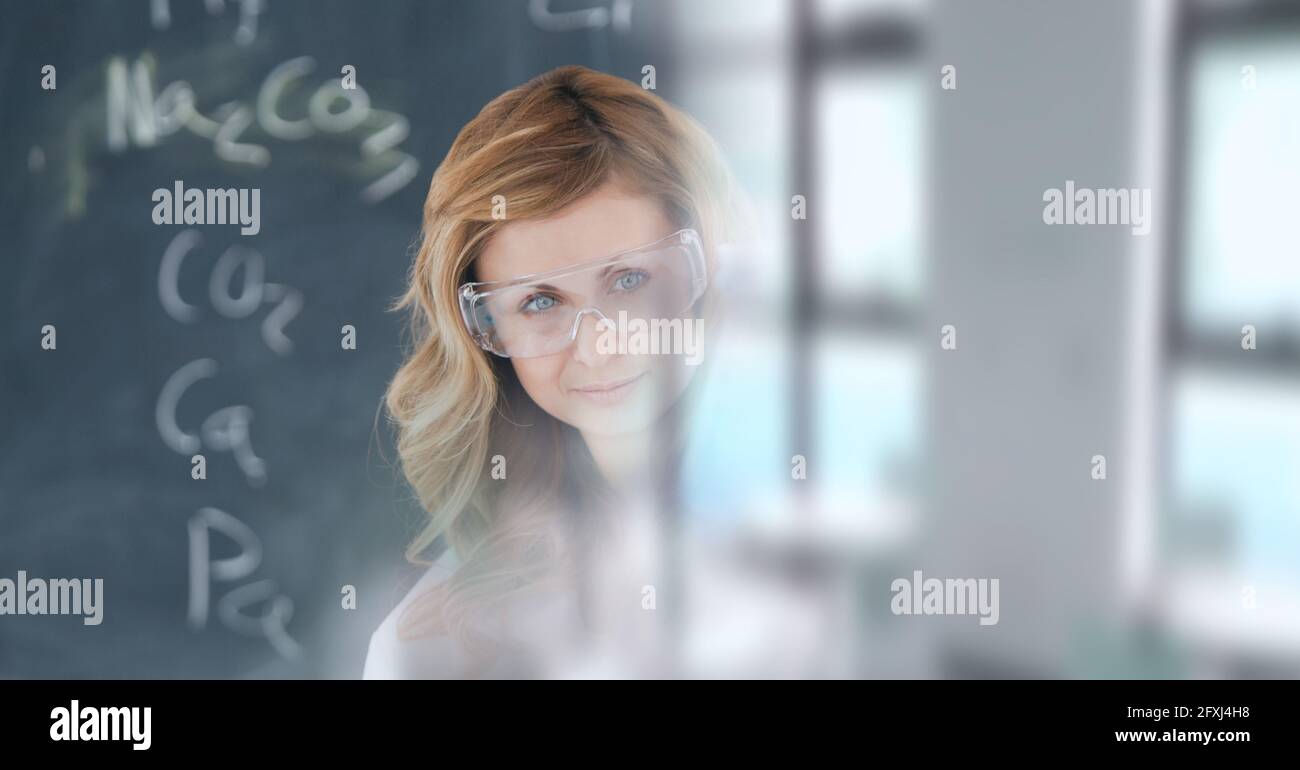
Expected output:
(627, 461)
(635, 465)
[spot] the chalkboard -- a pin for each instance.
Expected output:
(127, 347)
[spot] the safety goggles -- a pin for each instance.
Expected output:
(540, 314)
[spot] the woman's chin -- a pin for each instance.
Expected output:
(624, 417)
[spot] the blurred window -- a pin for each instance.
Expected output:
(822, 100)
(1234, 414)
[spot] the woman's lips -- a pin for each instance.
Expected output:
(609, 392)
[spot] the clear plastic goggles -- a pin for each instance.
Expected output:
(540, 314)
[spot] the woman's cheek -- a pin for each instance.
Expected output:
(541, 380)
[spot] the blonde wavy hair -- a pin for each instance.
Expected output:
(543, 145)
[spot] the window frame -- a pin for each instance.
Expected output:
(888, 38)
(1182, 350)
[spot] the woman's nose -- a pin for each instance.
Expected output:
(590, 347)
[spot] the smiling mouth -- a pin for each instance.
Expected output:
(609, 392)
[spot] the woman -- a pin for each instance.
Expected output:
(540, 437)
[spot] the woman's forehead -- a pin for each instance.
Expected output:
(603, 223)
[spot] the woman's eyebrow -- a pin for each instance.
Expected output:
(622, 263)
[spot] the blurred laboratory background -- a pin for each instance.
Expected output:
(925, 208)
(949, 366)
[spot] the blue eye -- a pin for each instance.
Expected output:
(631, 280)
(538, 303)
